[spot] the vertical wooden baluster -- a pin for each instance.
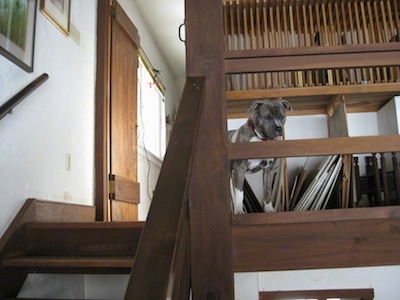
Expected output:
(326, 41)
(235, 38)
(396, 13)
(361, 38)
(273, 41)
(373, 35)
(282, 82)
(396, 10)
(384, 22)
(386, 34)
(392, 36)
(357, 179)
(386, 196)
(375, 169)
(312, 40)
(298, 25)
(253, 41)
(339, 34)
(333, 40)
(292, 40)
(226, 31)
(366, 36)
(380, 37)
(325, 35)
(354, 40)
(396, 175)
(266, 39)
(259, 40)
(307, 39)
(321, 78)
(300, 74)
(298, 82)
(228, 44)
(240, 35)
(286, 33)
(247, 39)
(348, 74)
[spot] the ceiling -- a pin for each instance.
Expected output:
(163, 21)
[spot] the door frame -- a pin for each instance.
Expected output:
(105, 12)
(102, 96)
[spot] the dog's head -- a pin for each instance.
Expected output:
(268, 117)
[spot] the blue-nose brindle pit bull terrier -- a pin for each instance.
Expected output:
(266, 120)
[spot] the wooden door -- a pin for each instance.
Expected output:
(124, 189)
(117, 189)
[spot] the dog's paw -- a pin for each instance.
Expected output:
(268, 207)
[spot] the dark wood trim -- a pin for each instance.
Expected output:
(316, 147)
(313, 58)
(158, 267)
(314, 50)
(210, 231)
(364, 294)
(101, 109)
(334, 215)
(382, 88)
(126, 23)
(313, 245)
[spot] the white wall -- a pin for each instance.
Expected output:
(56, 119)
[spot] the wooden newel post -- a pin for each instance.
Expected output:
(210, 227)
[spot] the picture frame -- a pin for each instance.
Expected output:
(17, 32)
(58, 12)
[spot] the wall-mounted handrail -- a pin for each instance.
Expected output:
(162, 267)
(7, 107)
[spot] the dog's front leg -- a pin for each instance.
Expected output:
(236, 185)
(269, 175)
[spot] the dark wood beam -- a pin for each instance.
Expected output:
(210, 231)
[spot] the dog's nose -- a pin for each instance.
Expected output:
(278, 128)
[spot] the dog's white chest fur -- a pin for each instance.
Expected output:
(254, 163)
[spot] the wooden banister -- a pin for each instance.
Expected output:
(316, 147)
(293, 59)
(7, 107)
(162, 265)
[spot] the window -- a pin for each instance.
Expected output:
(151, 110)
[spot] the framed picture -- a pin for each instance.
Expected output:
(57, 11)
(17, 31)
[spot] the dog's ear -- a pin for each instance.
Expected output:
(286, 105)
(254, 107)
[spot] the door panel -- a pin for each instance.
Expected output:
(123, 117)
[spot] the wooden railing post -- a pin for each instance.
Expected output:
(210, 227)
(161, 267)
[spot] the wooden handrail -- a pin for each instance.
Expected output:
(162, 265)
(7, 107)
(316, 147)
(329, 57)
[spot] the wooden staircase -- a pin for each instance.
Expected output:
(191, 240)
(35, 243)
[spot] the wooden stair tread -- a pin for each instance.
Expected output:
(69, 262)
(84, 225)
